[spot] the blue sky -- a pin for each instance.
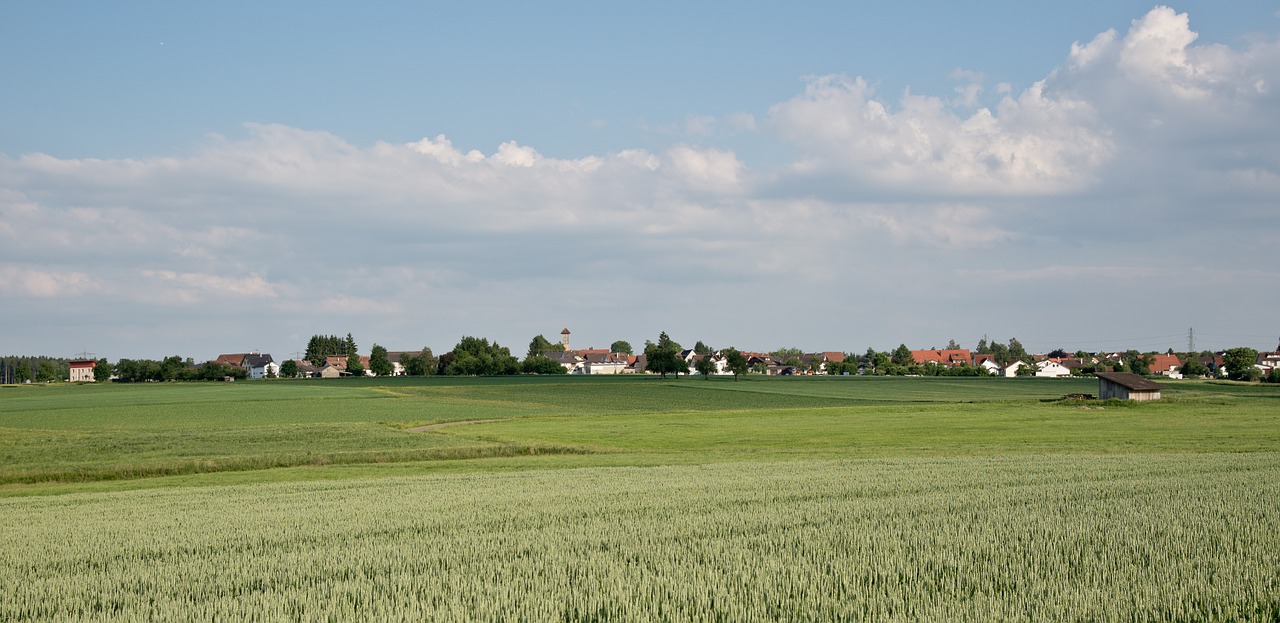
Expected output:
(228, 177)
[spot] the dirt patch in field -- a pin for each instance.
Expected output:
(444, 424)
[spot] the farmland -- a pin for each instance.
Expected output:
(638, 499)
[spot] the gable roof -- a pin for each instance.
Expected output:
(256, 360)
(235, 359)
(1164, 363)
(945, 357)
(1130, 380)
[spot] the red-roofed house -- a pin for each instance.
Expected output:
(1166, 365)
(948, 358)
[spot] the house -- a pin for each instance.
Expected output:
(989, 364)
(259, 365)
(1127, 386)
(1166, 365)
(235, 359)
(397, 360)
(1268, 361)
(82, 370)
(1049, 368)
(948, 358)
(604, 363)
(1011, 370)
(331, 371)
(306, 369)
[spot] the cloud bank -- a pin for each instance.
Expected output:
(1145, 165)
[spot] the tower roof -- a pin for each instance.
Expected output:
(565, 332)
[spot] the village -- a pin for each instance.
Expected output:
(989, 359)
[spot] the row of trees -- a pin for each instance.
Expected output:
(173, 368)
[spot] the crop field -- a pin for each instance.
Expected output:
(637, 499)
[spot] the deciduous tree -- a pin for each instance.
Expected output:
(379, 362)
(664, 357)
(735, 362)
(1239, 362)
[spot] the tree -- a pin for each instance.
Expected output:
(784, 353)
(1137, 362)
(421, 364)
(289, 369)
(621, 346)
(539, 345)
(982, 348)
(1239, 362)
(701, 349)
(102, 370)
(1058, 353)
(664, 357)
(354, 367)
(1193, 367)
(706, 365)
(902, 356)
(952, 345)
(321, 347)
(539, 364)
(1016, 351)
(734, 361)
(379, 362)
(475, 356)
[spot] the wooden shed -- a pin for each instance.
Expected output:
(1127, 386)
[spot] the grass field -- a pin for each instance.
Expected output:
(638, 499)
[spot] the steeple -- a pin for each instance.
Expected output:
(564, 339)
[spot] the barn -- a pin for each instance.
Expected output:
(1127, 386)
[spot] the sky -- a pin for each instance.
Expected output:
(197, 178)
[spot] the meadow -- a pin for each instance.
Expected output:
(594, 499)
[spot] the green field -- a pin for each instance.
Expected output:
(638, 499)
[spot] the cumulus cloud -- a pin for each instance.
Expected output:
(1123, 148)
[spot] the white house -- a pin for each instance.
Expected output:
(1051, 369)
(990, 366)
(604, 363)
(259, 365)
(1011, 370)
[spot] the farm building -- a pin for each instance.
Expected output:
(82, 370)
(1127, 386)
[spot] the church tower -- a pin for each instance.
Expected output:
(564, 339)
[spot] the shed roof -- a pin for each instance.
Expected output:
(1130, 380)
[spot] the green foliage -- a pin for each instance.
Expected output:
(621, 346)
(477, 357)
(423, 363)
(1138, 363)
(289, 369)
(354, 365)
(701, 349)
(902, 356)
(538, 364)
(1192, 368)
(1239, 362)
(664, 357)
(540, 345)
(379, 363)
(706, 366)
(102, 370)
(735, 362)
(1016, 351)
(320, 347)
(784, 353)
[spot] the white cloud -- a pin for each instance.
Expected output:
(1138, 141)
(45, 284)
